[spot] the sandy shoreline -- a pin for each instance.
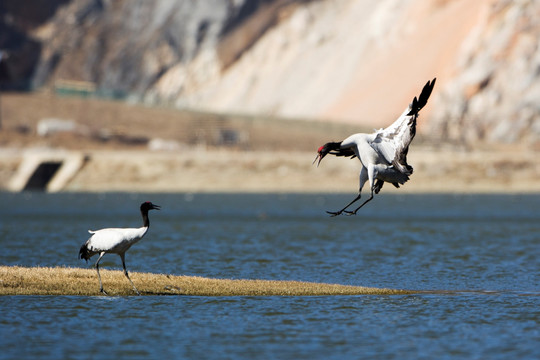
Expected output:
(277, 158)
(435, 170)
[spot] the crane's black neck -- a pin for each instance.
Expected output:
(146, 220)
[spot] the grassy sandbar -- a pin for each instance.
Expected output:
(16, 280)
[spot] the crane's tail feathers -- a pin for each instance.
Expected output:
(378, 186)
(403, 167)
(418, 103)
(84, 253)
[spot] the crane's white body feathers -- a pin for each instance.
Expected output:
(383, 152)
(396, 138)
(114, 240)
(384, 145)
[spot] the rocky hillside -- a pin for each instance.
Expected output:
(339, 60)
(494, 91)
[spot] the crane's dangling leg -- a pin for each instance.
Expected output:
(336, 213)
(371, 174)
(363, 178)
(364, 203)
(99, 276)
(126, 273)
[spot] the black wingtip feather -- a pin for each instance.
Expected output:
(421, 101)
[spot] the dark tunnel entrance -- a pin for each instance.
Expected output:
(42, 175)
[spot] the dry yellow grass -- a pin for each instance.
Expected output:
(15, 280)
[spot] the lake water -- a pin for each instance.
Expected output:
(479, 254)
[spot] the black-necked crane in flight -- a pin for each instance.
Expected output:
(383, 154)
(116, 241)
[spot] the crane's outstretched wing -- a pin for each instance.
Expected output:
(393, 142)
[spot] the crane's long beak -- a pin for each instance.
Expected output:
(319, 157)
(156, 207)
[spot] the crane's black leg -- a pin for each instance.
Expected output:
(99, 276)
(126, 273)
(358, 208)
(336, 213)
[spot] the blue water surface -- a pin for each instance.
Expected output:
(476, 255)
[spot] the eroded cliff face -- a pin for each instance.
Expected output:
(344, 60)
(19, 50)
(493, 93)
(354, 61)
(125, 46)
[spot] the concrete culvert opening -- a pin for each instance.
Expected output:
(42, 175)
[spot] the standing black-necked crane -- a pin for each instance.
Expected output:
(116, 241)
(383, 154)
